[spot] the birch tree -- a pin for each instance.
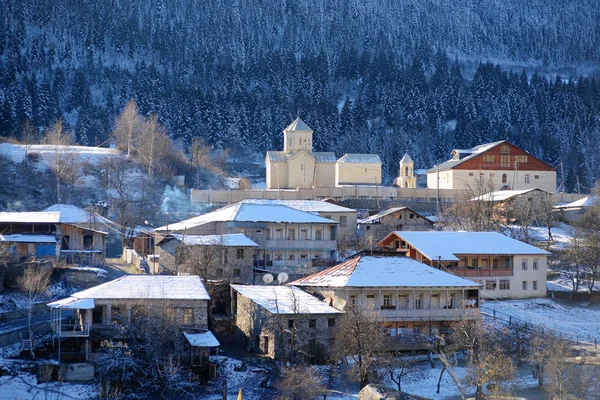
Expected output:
(128, 128)
(35, 283)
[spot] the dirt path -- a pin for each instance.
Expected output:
(116, 268)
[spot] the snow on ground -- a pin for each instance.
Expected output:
(239, 375)
(25, 386)
(564, 284)
(561, 235)
(93, 155)
(562, 317)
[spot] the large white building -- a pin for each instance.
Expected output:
(298, 166)
(498, 165)
(506, 267)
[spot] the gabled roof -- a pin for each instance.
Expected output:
(324, 156)
(406, 159)
(39, 217)
(360, 158)
(142, 287)
(276, 156)
(306, 205)
(24, 238)
(503, 195)
(285, 300)
(374, 218)
(584, 202)
(445, 245)
(466, 154)
(383, 271)
(227, 240)
(249, 211)
(298, 125)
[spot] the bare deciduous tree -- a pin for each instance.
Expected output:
(473, 210)
(128, 128)
(300, 383)
(35, 283)
(64, 162)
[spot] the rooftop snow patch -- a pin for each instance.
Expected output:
(40, 217)
(360, 158)
(584, 202)
(228, 240)
(284, 300)
(250, 211)
(305, 205)
(503, 195)
(298, 125)
(19, 238)
(383, 271)
(202, 339)
(148, 287)
(446, 245)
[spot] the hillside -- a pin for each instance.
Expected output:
(376, 76)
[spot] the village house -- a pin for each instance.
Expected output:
(507, 268)
(574, 211)
(81, 321)
(376, 227)
(406, 293)
(499, 165)
(298, 166)
(510, 205)
(289, 240)
(44, 235)
(276, 320)
(215, 257)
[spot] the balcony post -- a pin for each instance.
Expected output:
(397, 308)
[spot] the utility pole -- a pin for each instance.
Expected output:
(562, 177)
(516, 175)
(437, 197)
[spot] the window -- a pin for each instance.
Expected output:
(471, 174)
(473, 263)
(504, 149)
(318, 234)
(343, 221)
(504, 178)
(278, 257)
(419, 301)
(312, 323)
(524, 285)
(417, 329)
(507, 263)
(188, 316)
(239, 254)
(65, 242)
(535, 263)
(534, 285)
(536, 177)
(489, 158)
(399, 215)
(291, 257)
(495, 263)
(524, 264)
(237, 273)
(490, 285)
(333, 233)
(504, 161)
(88, 241)
(521, 158)
(412, 216)
(352, 300)
(291, 234)
(451, 301)
(303, 234)
(526, 178)
(258, 231)
(504, 284)
(387, 299)
(290, 324)
(330, 322)
(303, 256)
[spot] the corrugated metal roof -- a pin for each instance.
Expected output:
(306, 205)
(19, 238)
(324, 157)
(406, 159)
(40, 217)
(359, 158)
(276, 156)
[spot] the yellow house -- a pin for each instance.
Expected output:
(298, 166)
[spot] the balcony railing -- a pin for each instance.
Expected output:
(475, 273)
(422, 314)
(73, 330)
(301, 244)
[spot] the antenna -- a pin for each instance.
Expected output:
(282, 277)
(267, 278)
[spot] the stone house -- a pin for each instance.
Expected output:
(376, 227)
(132, 302)
(217, 257)
(278, 320)
(406, 293)
(510, 205)
(298, 166)
(501, 164)
(507, 268)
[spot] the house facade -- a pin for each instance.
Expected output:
(44, 235)
(505, 267)
(289, 240)
(279, 320)
(298, 166)
(132, 304)
(406, 293)
(376, 227)
(215, 257)
(498, 165)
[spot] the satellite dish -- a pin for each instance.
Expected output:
(267, 278)
(282, 277)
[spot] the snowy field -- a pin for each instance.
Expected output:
(93, 155)
(562, 317)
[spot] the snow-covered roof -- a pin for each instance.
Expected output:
(249, 211)
(406, 159)
(584, 202)
(228, 240)
(70, 214)
(298, 125)
(285, 300)
(383, 271)
(360, 158)
(22, 238)
(503, 195)
(73, 303)
(277, 156)
(148, 287)
(375, 218)
(201, 339)
(30, 217)
(446, 245)
(305, 205)
(324, 156)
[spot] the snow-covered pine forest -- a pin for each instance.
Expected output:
(378, 76)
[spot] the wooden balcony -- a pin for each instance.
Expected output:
(481, 273)
(425, 314)
(72, 330)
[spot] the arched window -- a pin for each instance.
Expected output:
(406, 184)
(504, 179)
(504, 149)
(405, 171)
